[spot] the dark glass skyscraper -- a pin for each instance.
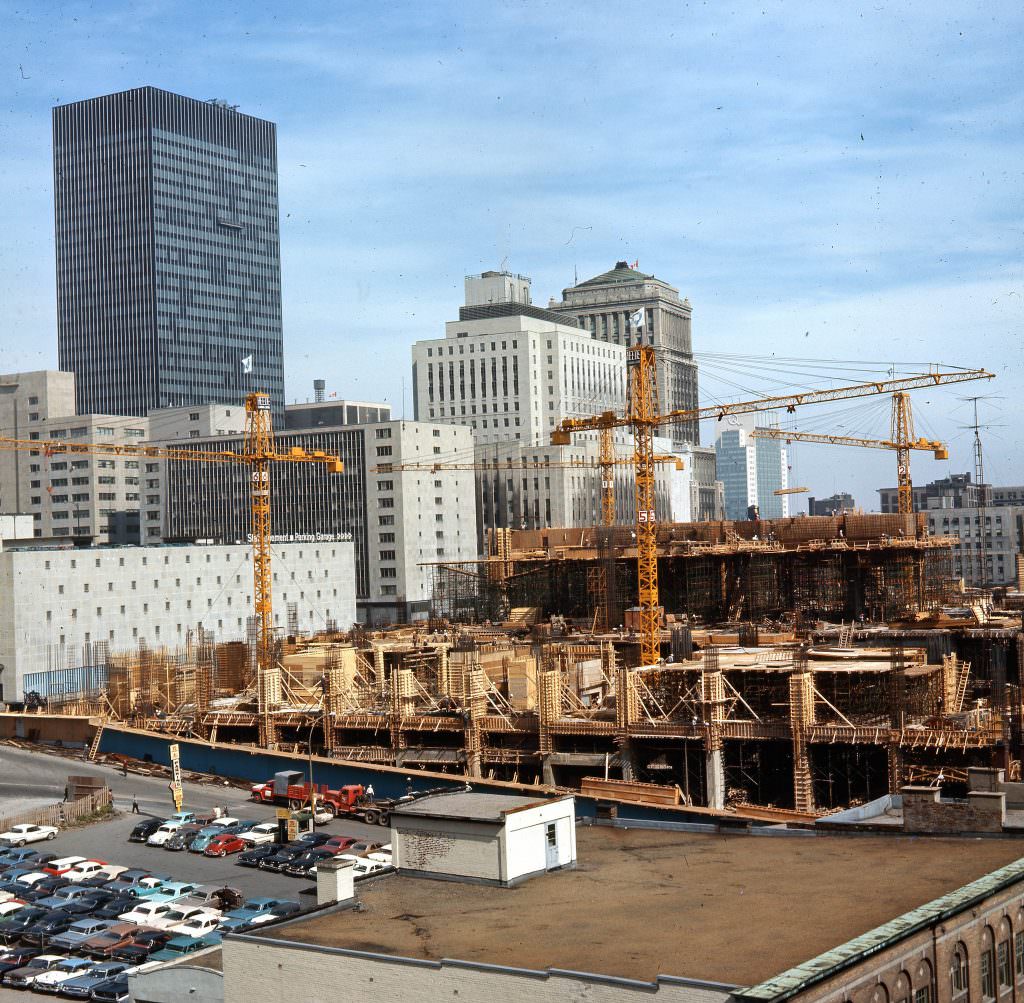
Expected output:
(168, 252)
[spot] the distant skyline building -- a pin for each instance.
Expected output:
(751, 470)
(833, 505)
(167, 252)
(603, 306)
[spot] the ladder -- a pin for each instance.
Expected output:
(94, 746)
(961, 687)
(845, 635)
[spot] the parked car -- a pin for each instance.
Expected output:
(51, 980)
(197, 926)
(252, 858)
(180, 947)
(309, 840)
(148, 885)
(177, 915)
(126, 882)
(48, 925)
(277, 860)
(144, 829)
(114, 990)
(93, 869)
(144, 912)
(363, 867)
(341, 842)
(19, 835)
(10, 906)
(143, 945)
(264, 832)
(116, 906)
(50, 884)
(80, 930)
(164, 833)
(222, 821)
(12, 928)
(183, 817)
(81, 986)
(63, 896)
(16, 856)
(22, 978)
(300, 866)
(363, 846)
(204, 837)
(103, 944)
(257, 911)
(182, 839)
(222, 845)
(167, 891)
(216, 897)
(17, 958)
(62, 865)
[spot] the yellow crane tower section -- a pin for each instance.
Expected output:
(643, 419)
(258, 454)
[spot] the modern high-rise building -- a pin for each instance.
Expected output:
(603, 306)
(168, 252)
(751, 470)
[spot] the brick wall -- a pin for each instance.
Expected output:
(924, 811)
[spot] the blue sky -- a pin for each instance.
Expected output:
(837, 181)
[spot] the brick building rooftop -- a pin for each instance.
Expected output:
(642, 903)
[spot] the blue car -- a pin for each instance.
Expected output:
(205, 837)
(181, 947)
(167, 892)
(82, 986)
(257, 911)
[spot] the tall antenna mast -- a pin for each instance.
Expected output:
(981, 495)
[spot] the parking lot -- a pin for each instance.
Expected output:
(108, 841)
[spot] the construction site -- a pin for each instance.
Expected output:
(797, 665)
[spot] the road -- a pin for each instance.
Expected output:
(40, 776)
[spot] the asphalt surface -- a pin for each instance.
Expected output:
(38, 776)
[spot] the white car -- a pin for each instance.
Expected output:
(30, 879)
(224, 820)
(10, 906)
(180, 914)
(382, 856)
(63, 864)
(19, 835)
(164, 833)
(69, 968)
(145, 913)
(93, 869)
(197, 926)
(265, 832)
(363, 866)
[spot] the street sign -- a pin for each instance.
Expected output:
(284, 813)
(293, 829)
(177, 791)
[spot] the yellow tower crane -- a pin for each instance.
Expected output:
(902, 442)
(258, 455)
(643, 419)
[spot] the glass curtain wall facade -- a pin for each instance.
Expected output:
(168, 252)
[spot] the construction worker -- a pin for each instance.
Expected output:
(135, 805)
(369, 792)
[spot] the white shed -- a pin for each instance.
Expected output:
(495, 839)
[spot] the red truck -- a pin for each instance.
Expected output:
(290, 789)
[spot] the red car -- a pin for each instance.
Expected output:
(339, 844)
(221, 846)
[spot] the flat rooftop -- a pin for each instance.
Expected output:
(465, 805)
(643, 903)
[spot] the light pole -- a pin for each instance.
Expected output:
(312, 789)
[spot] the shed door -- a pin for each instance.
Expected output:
(551, 846)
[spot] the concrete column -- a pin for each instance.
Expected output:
(714, 777)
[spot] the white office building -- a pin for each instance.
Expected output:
(60, 607)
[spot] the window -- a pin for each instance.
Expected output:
(388, 590)
(387, 520)
(988, 975)
(923, 995)
(383, 450)
(386, 502)
(1018, 954)
(387, 538)
(389, 572)
(385, 485)
(383, 433)
(387, 555)
(1005, 971)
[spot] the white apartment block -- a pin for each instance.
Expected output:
(988, 541)
(57, 606)
(417, 514)
(511, 371)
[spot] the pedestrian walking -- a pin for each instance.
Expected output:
(66, 792)
(124, 767)
(135, 805)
